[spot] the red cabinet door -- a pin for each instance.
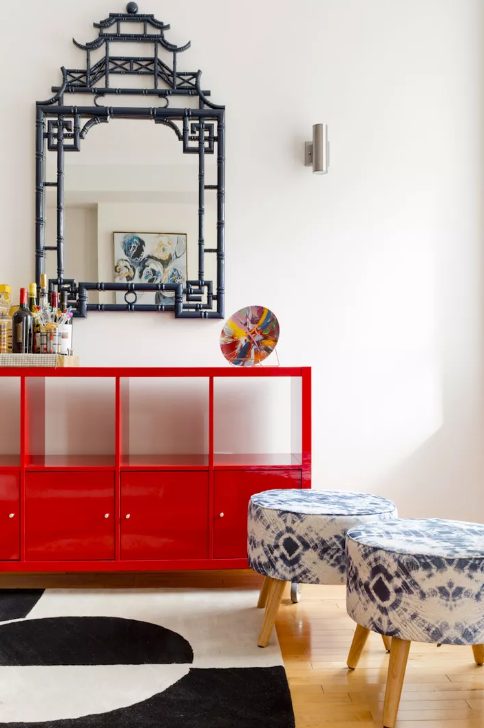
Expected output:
(233, 489)
(164, 515)
(69, 515)
(9, 516)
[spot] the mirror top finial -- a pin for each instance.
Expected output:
(132, 8)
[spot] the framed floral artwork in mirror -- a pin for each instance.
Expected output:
(141, 257)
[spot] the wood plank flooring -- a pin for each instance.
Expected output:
(443, 688)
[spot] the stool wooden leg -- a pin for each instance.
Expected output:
(359, 639)
(396, 673)
(274, 596)
(263, 593)
(478, 651)
(387, 641)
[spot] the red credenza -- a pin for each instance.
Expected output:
(144, 468)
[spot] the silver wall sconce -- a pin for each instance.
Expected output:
(317, 151)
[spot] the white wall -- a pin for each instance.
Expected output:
(375, 271)
(80, 228)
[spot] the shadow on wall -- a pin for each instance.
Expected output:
(408, 419)
(442, 477)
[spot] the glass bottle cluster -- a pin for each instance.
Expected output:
(40, 324)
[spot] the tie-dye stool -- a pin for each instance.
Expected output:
(415, 580)
(299, 536)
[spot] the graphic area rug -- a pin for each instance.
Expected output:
(138, 658)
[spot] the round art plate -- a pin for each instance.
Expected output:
(249, 336)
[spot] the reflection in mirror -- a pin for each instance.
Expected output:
(131, 211)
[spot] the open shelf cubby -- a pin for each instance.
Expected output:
(10, 397)
(70, 422)
(257, 421)
(164, 421)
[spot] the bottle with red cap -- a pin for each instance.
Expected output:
(22, 327)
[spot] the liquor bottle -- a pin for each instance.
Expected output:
(52, 329)
(65, 326)
(54, 301)
(22, 327)
(33, 307)
(5, 320)
(43, 298)
(32, 297)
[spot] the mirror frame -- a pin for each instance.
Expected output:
(61, 128)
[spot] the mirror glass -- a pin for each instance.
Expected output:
(131, 210)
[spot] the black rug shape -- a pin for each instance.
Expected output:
(247, 697)
(17, 603)
(90, 641)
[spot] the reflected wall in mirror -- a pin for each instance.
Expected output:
(148, 180)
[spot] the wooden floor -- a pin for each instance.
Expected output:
(443, 689)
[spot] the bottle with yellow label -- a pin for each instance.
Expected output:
(43, 293)
(32, 302)
(33, 308)
(5, 319)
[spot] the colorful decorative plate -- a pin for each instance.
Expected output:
(249, 336)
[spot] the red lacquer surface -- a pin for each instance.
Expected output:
(60, 501)
(9, 515)
(69, 515)
(232, 492)
(164, 515)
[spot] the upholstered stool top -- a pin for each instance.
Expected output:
(299, 535)
(326, 502)
(419, 580)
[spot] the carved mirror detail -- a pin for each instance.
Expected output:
(168, 97)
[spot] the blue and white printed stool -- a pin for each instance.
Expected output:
(299, 536)
(415, 580)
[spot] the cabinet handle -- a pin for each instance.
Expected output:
(221, 515)
(11, 515)
(128, 516)
(106, 515)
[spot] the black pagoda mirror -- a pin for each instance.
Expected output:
(131, 73)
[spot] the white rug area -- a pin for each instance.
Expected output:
(221, 626)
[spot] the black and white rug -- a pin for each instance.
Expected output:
(138, 658)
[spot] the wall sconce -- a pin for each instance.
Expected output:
(317, 151)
